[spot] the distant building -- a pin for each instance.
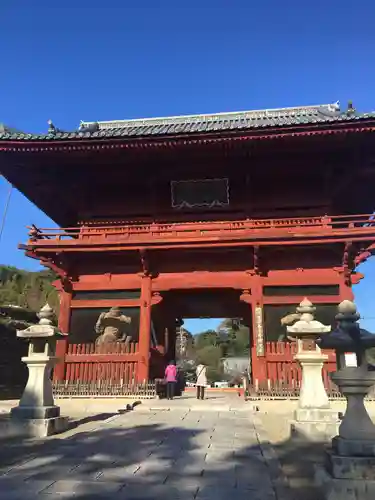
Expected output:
(236, 365)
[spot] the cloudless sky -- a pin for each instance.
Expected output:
(93, 60)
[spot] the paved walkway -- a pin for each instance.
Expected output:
(148, 454)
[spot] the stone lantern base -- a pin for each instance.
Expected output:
(314, 420)
(315, 424)
(37, 427)
(349, 472)
(37, 415)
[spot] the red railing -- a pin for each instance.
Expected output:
(116, 363)
(355, 225)
(281, 370)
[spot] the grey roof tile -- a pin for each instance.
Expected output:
(243, 120)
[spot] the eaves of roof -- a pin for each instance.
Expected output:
(244, 121)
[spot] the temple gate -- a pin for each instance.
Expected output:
(261, 208)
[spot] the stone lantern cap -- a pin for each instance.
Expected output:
(347, 336)
(307, 325)
(44, 328)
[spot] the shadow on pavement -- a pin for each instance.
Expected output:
(298, 458)
(91, 418)
(151, 461)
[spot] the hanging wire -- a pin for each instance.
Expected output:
(6, 208)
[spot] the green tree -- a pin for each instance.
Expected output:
(207, 338)
(235, 337)
(211, 355)
(232, 338)
(29, 290)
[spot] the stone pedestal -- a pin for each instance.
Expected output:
(314, 420)
(313, 393)
(349, 472)
(37, 415)
(355, 383)
(314, 424)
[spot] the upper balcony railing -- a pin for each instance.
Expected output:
(352, 225)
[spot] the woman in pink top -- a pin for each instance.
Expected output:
(171, 378)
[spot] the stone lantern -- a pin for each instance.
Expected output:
(350, 465)
(313, 418)
(36, 414)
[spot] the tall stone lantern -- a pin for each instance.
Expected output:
(36, 414)
(313, 418)
(350, 464)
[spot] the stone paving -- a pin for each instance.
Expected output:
(150, 454)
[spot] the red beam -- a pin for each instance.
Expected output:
(77, 304)
(102, 358)
(203, 279)
(316, 299)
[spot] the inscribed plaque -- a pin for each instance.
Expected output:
(259, 333)
(198, 193)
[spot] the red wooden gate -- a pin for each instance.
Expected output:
(278, 369)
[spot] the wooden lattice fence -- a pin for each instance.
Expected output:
(115, 364)
(104, 389)
(280, 371)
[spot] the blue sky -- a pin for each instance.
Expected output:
(121, 59)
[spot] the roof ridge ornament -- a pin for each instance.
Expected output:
(88, 126)
(334, 107)
(51, 128)
(351, 109)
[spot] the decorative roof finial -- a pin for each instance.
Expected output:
(334, 107)
(45, 315)
(306, 307)
(88, 127)
(51, 127)
(307, 326)
(347, 311)
(351, 108)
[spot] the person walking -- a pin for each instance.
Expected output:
(171, 379)
(201, 381)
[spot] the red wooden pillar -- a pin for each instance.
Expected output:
(145, 329)
(257, 351)
(64, 326)
(259, 362)
(346, 292)
(345, 281)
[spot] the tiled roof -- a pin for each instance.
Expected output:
(193, 124)
(4, 129)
